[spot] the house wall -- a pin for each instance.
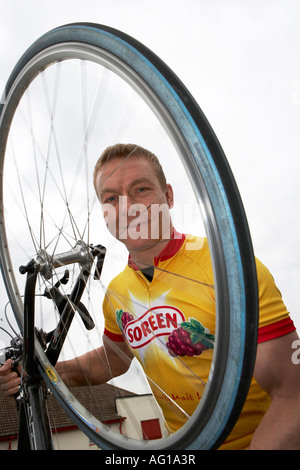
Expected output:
(67, 440)
(10, 444)
(72, 440)
(136, 409)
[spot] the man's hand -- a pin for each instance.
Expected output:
(9, 379)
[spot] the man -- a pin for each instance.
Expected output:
(161, 309)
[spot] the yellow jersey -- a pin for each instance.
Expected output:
(169, 324)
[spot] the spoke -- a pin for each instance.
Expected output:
(83, 94)
(23, 200)
(53, 139)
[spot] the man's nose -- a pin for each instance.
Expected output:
(124, 203)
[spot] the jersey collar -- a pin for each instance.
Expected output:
(174, 245)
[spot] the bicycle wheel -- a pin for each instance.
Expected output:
(76, 90)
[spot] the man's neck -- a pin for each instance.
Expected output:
(144, 257)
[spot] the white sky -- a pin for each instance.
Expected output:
(240, 60)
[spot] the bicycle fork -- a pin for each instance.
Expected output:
(34, 426)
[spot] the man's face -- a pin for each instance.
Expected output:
(135, 206)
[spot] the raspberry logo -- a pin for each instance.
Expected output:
(126, 317)
(123, 318)
(190, 339)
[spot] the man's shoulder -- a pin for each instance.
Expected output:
(119, 277)
(196, 247)
(195, 255)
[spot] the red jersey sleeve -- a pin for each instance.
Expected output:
(274, 318)
(275, 330)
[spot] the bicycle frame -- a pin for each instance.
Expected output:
(34, 426)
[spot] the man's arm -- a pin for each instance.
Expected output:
(95, 367)
(280, 378)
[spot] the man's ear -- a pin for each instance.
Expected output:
(170, 196)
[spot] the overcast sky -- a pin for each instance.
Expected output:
(240, 60)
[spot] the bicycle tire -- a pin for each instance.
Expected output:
(207, 165)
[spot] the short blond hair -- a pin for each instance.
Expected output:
(125, 151)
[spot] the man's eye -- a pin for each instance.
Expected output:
(142, 189)
(110, 199)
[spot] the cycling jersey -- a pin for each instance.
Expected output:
(169, 324)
